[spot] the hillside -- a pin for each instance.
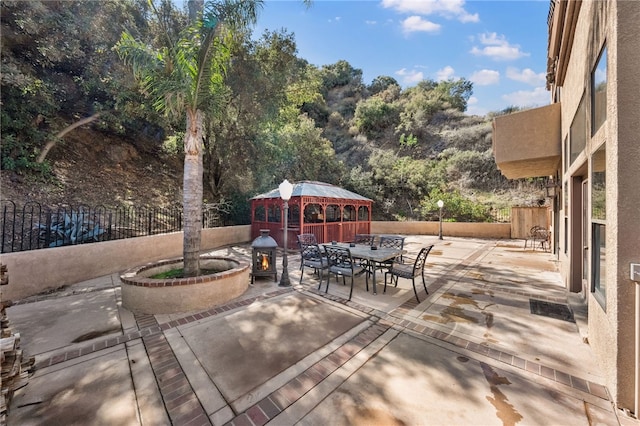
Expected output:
(93, 168)
(274, 116)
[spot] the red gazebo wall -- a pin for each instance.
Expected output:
(324, 231)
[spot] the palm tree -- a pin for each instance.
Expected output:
(184, 79)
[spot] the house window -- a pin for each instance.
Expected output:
(599, 92)
(598, 225)
(578, 131)
(565, 157)
(565, 200)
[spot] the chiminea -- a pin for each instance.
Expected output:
(264, 256)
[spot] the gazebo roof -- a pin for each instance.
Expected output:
(308, 188)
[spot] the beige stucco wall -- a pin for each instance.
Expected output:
(623, 193)
(35, 271)
(215, 289)
(611, 328)
(452, 229)
(527, 143)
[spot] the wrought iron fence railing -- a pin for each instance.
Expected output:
(501, 215)
(32, 226)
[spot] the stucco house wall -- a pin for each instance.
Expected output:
(611, 324)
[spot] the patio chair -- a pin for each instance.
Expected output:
(388, 241)
(306, 239)
(364, 239)
(395, 241)
(409, 271)
(342, 264)
(311, 256)
(537, 234)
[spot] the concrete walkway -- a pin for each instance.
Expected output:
(497, 341)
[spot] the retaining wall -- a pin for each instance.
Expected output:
(36, 271)
(452, 229)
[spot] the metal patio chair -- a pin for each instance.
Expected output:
(409, 271)
(364, 239)
(342, 264)
(311, 256)
(537, 235)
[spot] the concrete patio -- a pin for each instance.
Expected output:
(474, 351)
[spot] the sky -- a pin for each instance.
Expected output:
(500, 46)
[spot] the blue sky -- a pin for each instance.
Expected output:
(499, 45)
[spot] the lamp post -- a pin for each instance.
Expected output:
(286, 188)
(440, 206)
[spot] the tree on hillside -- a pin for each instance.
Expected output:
(381, 83)
(342, 87)
(58, 71)
(245, 152)
(185, 78)
(421, 103)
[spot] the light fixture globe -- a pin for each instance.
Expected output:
(286, 189)
(440, 204)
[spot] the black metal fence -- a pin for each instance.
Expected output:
(31, 226)
(501, 215)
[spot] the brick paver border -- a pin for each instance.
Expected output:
(183, 406)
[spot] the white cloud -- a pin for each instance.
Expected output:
(370, 22)
(410, 76)
(473, 108)
(448, 8)
(497, 48)
(485, 77)
(523, 98)
(526, 75)
(445, 73)
(336, 19)
(416, 23)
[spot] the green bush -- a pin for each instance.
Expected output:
(456, 208)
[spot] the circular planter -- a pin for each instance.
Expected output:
(144, 295)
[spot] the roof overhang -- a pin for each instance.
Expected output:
(528, 143)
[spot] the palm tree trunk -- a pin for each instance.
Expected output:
(192, 192)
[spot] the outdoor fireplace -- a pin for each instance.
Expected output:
(264, 256)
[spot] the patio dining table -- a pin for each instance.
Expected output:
(372, 256)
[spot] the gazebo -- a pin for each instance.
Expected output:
(329, 212)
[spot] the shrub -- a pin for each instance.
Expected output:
(68, 229)
(456, 208)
